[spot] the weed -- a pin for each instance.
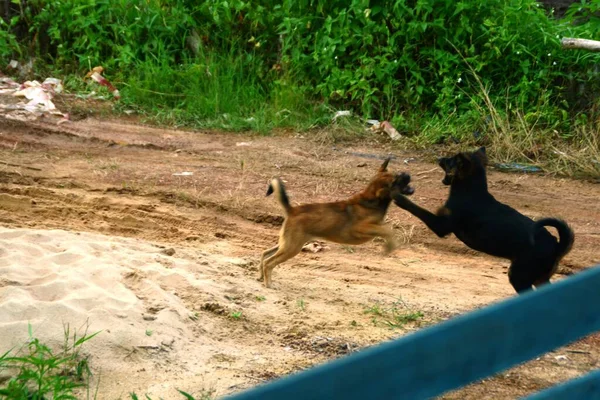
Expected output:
(395, 316)
(375, 309)
(41, 372)
(260, 298)
(149, 332)
(236, 315)
(204, 395)
(301, 304)
(348, 249)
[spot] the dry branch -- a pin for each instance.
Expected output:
(585, 44)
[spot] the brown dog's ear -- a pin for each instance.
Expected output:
(383, 167)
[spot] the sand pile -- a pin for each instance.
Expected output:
(143, 298)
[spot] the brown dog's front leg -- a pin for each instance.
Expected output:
(372, 231)
(440, 224)
(390, 241)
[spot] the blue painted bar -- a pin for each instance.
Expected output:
(455, 353)
(586, 387)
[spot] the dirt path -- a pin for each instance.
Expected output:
(117, 178)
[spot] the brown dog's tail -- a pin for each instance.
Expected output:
(276, 186)
(567, 237)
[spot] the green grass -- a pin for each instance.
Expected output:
(219, 91)
(37, 371)
(204, 395)
(394, 316)
(236, 315)
(301, 304)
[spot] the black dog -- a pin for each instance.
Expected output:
(484, 224)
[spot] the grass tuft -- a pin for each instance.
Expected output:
(39, 372)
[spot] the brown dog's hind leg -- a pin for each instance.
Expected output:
(265, 254)
(286, 251)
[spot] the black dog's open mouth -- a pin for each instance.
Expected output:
(402, 181)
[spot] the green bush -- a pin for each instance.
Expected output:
(434, 67)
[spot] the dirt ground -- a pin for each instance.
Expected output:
(117, 177)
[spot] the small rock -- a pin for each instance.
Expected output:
(168, 252)
(148, 317)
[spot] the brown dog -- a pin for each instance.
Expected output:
(353, 221)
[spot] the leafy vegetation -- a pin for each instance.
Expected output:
(439, 70)
(38, 372)
(394, 316)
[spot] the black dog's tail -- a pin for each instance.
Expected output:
(276, 186)
(567, 237)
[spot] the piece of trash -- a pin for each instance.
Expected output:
(251, 119)
(407, 160)
(7, 85)
(386, 127)
(53, 84)
(40, 97)
(561, 358)
(13, 64)
(86, 95)
(129, 112)
(96, 75)
(314, 247)
(185, 173)
(517, 167)
(243, 143)
(390, 130)
(372, 122)
(344, 113)
(362, 164)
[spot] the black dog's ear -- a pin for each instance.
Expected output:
(462, 160)
(481, 156)
(383, 167)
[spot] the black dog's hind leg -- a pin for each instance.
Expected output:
(440, 224)
(520, 277)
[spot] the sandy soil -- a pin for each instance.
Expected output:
(96, 227)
